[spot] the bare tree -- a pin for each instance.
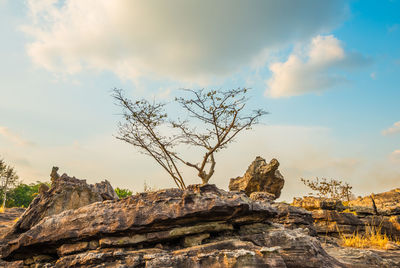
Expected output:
(333, 188)
(219, 116)
(8, 178)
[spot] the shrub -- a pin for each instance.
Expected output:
(335, 189)
(122, 193)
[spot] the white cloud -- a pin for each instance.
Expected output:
(177, 39)
(13, 137)
(392, 130)
(312, 69)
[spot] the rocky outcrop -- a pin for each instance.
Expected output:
(202, 226)
(387, 204)
(331, 217)
(313, 203)
(364, 258)
(66, 193)
(294, 217)
(260, 177)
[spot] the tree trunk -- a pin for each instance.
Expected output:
(5, 193)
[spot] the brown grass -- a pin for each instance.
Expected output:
(373, 238)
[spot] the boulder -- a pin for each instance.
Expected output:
(260, 177)
(66, 193)
(143, 213)
(202, 226)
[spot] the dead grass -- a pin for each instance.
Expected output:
(373, 238)
(2, 209)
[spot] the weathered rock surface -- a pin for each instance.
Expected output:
(331, 217)
(316, 203)
(364, 258)
(201, 226)
(294, 217)
(260, 177)
(387, 203)
(66, 193)
(281, 248)
(8, 218)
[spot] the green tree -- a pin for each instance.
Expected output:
(23, 194)
(8, 180)
(122, 193)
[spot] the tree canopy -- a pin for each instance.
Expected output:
(214, 118)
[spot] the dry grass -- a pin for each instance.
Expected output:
(373, 238)
(2, 209)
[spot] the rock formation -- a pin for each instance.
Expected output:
(202, 226)
(66, 193)
(387, 203)
(333, 218)
(260, 177)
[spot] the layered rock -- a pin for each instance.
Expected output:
(331, 217)
(201, 226)
(66, 193)
(313, 203)
(387, 204)
(260, 177)
(294, 217)
(364, 258)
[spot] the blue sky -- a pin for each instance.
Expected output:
(327, 71)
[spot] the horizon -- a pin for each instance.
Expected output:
(328, 73)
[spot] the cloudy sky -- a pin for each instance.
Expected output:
(328, 73)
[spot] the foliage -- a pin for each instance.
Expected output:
(122, 193)
(8, 179)
(23, 194)
(220, 114)
(330, 189)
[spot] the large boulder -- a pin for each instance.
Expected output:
(66, 193)
(260, 177)
(202, 226)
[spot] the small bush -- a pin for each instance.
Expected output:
(335, 189)
(122, 193)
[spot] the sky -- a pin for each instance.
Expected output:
(328, 73)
